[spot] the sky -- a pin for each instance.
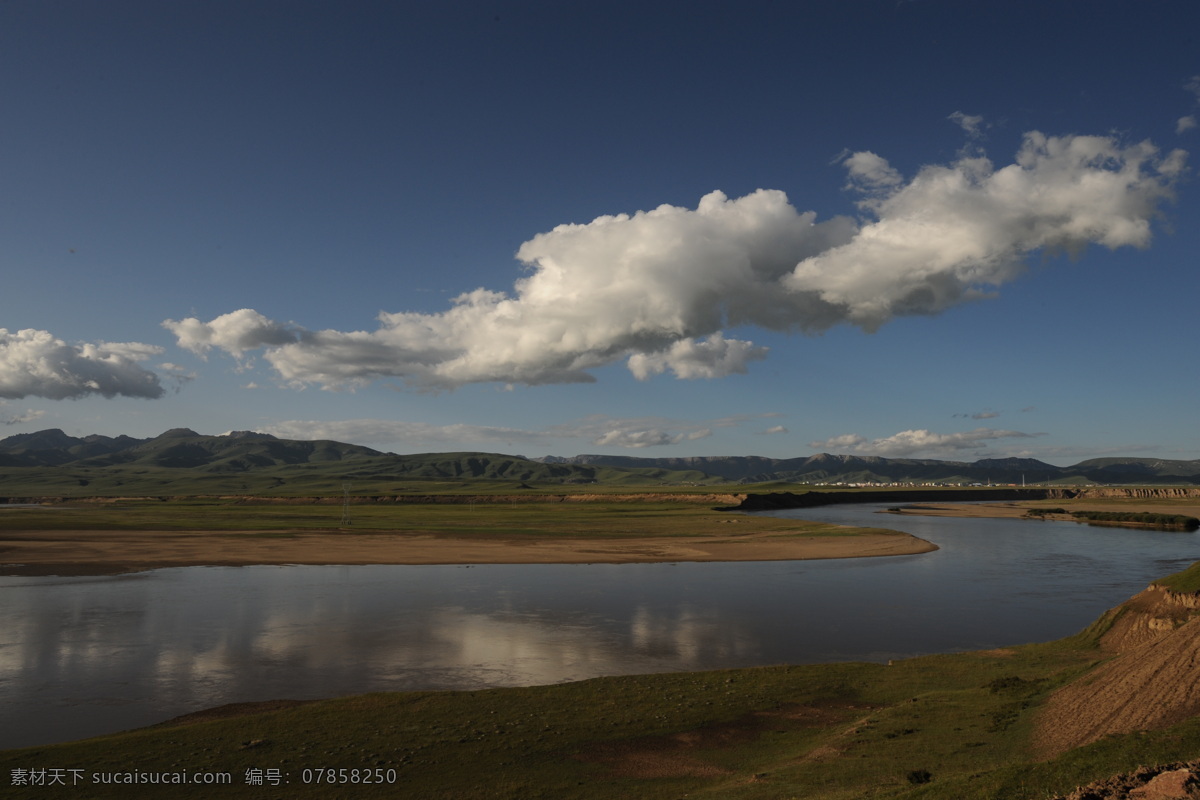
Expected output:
(925, 228)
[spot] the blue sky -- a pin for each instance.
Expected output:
(945, 229)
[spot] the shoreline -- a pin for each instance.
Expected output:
(1010, 510)
(41, 553)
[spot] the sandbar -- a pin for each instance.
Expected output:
(91, 552)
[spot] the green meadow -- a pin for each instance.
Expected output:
(484, 516)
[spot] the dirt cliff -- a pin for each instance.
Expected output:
(1140, 492)
(1151, 681)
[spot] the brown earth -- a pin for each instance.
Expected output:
(1177, 781)
(112, 552)
(1151, 681)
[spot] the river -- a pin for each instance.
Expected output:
(84, 656)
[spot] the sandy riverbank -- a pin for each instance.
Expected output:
(112, 552)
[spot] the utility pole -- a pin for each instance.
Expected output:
(345, 506)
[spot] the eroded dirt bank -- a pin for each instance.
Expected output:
(1152, 680)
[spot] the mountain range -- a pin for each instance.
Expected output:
(243, 454)
(826, 468)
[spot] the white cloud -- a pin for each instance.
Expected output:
(776, 429)
(659, 288)
(236, 333)
(599, 429)
(920, 442)
(953, 232)
(972, 124)
(36, 363)
(380, 432)
(839, 444)
(30, 415)
(652, 437)
(689, 358)
(1185, 124)
(872, 177)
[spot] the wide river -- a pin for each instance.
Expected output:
(85, 656)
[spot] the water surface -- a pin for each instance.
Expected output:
(84, 656)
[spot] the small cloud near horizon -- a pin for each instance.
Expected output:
(30, 415)
(919, 442)
(597, 429)
(987, 414)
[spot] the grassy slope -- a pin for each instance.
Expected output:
(1187, 580)
(260, 474)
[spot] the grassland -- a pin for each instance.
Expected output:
(441, 473)
(121, 535)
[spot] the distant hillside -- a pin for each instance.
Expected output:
(178, 448)
(1156, 467)
(826, 468)
(181, 461)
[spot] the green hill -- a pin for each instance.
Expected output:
(183, 462)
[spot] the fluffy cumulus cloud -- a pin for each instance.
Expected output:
(954, 232)
(919, 442)
(34, 363)
(689, 358)
(658, 289)
(235, 333)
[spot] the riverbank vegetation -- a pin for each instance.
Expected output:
(1162, 521)
(1140, 519)
(495, 516)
